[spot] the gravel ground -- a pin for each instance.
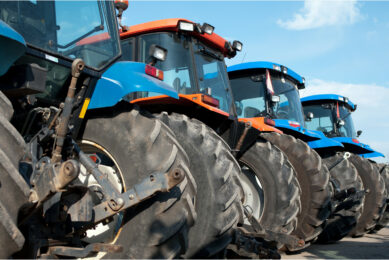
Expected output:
(370, 246)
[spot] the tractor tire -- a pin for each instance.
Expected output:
(374, 185)
(384, 219)
(14, 191)
(272, 191)
(216, 172)
(313, 178)
(345, 175)
(140, 145)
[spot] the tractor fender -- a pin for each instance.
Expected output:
(297, 130)
(353, 145)
(12, 46)
(123, 78)
(325, 143)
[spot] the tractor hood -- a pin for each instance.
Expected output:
(353, 145)
(12, 46)
(123, 78)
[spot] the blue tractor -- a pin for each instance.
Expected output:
(331, 115)
(83, 173)
(266, 89)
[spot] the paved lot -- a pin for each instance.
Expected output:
(374, 246)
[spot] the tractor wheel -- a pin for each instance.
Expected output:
(216, 172)
(132, 145)
(272, 191)
(344, 176)
(384, 220)
(14, 190)
(374, 185)
(313, 178)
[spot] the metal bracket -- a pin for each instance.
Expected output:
(82, 252)
(260, 232)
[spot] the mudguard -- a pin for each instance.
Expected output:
(353, 145)
(315, 139)
(123, 78)
(12, 46)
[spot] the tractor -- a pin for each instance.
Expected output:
(84, 173)
(190, 57)
(331, 114)
(279, 100)
(268, 93)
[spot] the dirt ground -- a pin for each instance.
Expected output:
(372, 246)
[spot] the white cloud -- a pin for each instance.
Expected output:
(319, 13)
(372, 114)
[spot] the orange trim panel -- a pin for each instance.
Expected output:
(259, 124)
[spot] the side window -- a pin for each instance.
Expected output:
(127, 50)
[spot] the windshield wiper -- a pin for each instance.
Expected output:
(211, 54)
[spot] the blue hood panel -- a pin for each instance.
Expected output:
(123, 78)
(357, 147)
(292, 125)
(12, 46)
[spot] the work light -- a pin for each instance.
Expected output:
(284, 69)
(158, 52)
(185, 26)
(237, 45)
(207, 28)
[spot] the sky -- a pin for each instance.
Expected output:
(340, 47)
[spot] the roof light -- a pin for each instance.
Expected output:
(186, 26)
(154, 72)
(303, 80)
(284, 69)
(269, 121)
(276, 67)
(158, 52)
(237, 45)
(210, 100)
(207, 28)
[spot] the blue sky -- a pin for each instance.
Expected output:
(338, 46)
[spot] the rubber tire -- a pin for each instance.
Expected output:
(374, 184)
(14, 191)
(215, 170)
(142, 145)
(313, 178)
(281, 190)
(342, 222)
(384, 219)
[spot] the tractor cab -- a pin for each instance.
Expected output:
(188, 57)
(331, 115)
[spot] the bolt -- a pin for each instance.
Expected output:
(131, 196)
(177, 174)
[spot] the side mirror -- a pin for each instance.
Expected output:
(157, 53)
(309, 116)
(121, 5)
(275, 99)
(359, 132)
(340, 122)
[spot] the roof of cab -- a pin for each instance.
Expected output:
(171, 24)
(265, 65)
(330, 97)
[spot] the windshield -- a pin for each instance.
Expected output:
(249, 96)
(178, 67)
(326, 118)
(212, 74)
(347, 130)
(73, 29)
(289, 106)
(322, 119)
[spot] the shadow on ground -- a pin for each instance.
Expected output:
(372, 246)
